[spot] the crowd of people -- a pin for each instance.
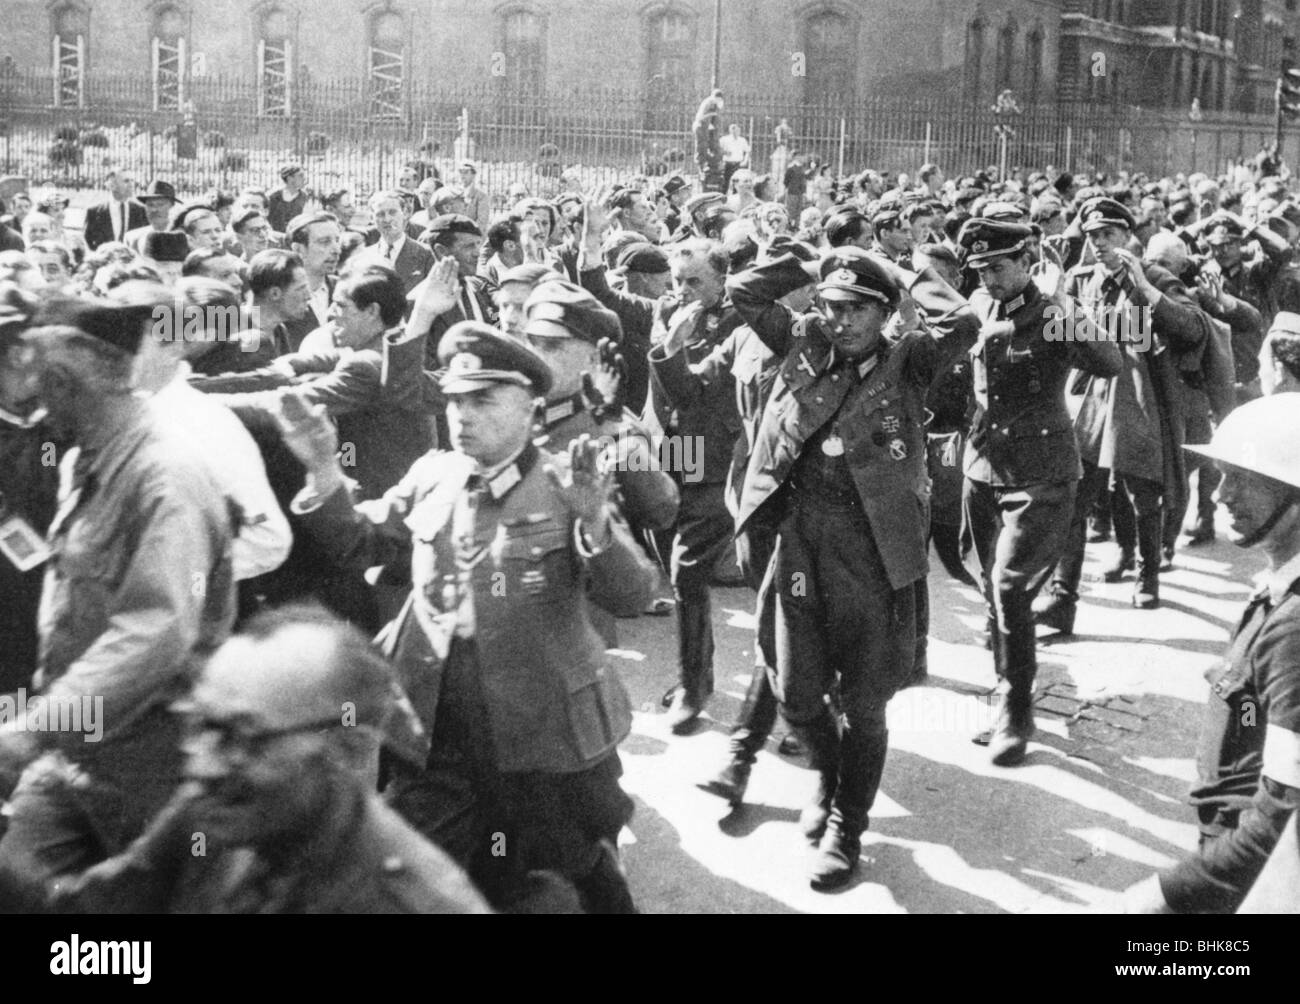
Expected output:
(242, 436)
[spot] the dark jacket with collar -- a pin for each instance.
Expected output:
(1021, 432)
(555, 702)
(1132, 423)
(1249, 759)
(883, 421)
(98, 228)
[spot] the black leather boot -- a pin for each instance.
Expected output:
(822, 740)
(1056, 609)
(753, 726)
(1146, 594)
(1015, 722)
(862, 763)
(1125, 561)
(604, 889)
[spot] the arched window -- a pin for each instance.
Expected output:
(1033, 63)
(831, 67)
(387, 64)
(670, 56)
(1006, 77)
(524, 47)
(71, 26)
(275, 63)
(168, 57)
(975, 59)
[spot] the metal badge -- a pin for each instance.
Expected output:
(898, 449)
(891, 424)
(833, 446)
(533, 582)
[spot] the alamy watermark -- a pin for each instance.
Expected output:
(208, 323)
(1128, 324)
(77, 713)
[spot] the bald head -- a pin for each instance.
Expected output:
(1167, 251)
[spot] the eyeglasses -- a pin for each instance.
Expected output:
(238, 735)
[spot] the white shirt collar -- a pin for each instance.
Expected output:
(1280, 580)
(396, 245)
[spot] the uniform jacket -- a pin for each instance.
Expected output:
(98, 228)
(1249, 761)
(883, 424)
(366, 860)
(1021, 432)
(752, 367)
(514, 559)
(1131, 423)
(712, 416)
(647, 496)
(386, 435)
(636, 314)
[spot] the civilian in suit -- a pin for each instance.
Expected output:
(318, 239)
(116, 216)
(159, 200)
(395, 249)
(478, 204)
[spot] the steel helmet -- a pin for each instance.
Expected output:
(1262, 436)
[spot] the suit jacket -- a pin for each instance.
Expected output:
(411, 265)
(474, 292)
(305, 325)
(99, 222)
(555, 702)
(385, 435)
(11, 239)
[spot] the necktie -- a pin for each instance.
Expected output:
(388, 252)
(120, 222)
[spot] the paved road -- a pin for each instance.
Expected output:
(1096, 806)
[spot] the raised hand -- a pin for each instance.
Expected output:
(586, 487)
(438, 292)
(310, 436)
(602, 389)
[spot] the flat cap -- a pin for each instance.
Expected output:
(165, 245)
(530, 273)
(559, 309)
(451, 223)
(1006, 211)
(642, 257)
(181, 215)
(120, 325)
(1099, 211)
(851, 274)
(473, 355)
(674, 184)
(985, 239)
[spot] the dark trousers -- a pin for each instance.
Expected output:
(1017, 532)
(705, 528)
(1140, 520)
(838, 619)
(1094, 485)
(757, 717)
(500, 827)
(1200, 430)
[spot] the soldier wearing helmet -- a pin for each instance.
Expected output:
(1249, 767)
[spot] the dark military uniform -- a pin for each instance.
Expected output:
(496, 649)
(1021, 463)
(1249, 762)
(838, 470)
(364, 859)
(1131, 425)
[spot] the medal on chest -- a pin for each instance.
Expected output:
(898, 449)
(833, 445)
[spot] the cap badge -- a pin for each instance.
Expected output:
(464, 362)
(843, 275)
(979, 247)
(1096, 216)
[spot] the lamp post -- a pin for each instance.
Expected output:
(717, 41)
